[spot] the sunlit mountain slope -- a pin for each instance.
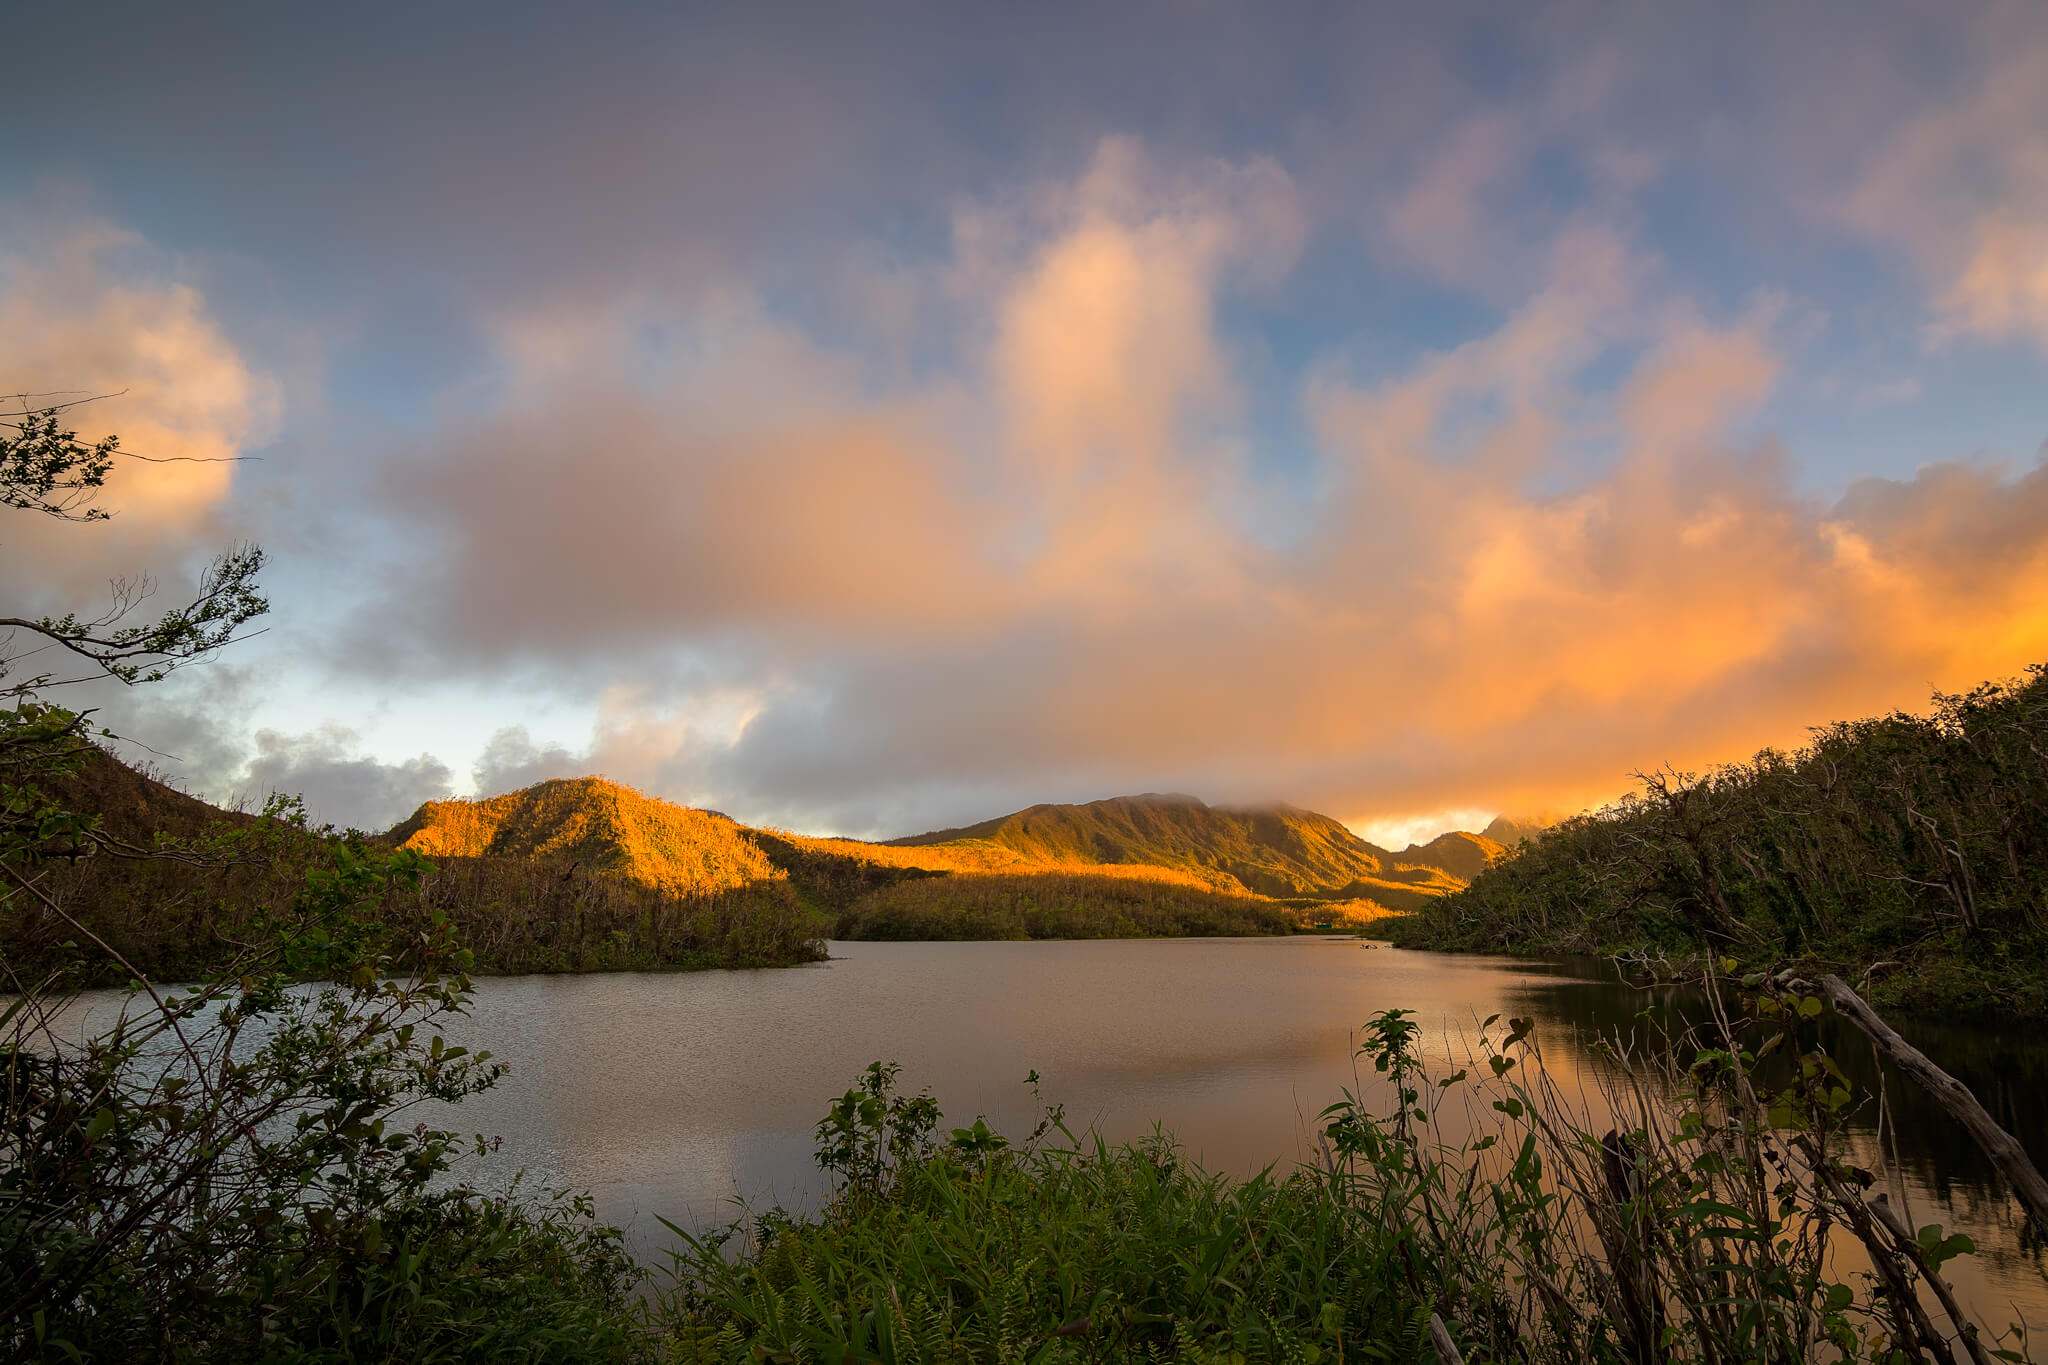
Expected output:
(1278, 851)
(598, 825)
(1274, 851)
(1464, 856)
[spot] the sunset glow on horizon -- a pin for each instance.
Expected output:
(875, 420)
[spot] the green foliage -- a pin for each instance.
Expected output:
(1275, 851)
(1043, 905)
(520, 915)
(1916, 846)
(222, 1170)
(981, 1251)
(1706, 1224)
(44, 468)
(196, 882)
(871, 1132)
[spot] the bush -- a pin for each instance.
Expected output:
(1707, 1224)
(224, 1170)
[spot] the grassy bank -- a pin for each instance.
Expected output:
(1913, 848)
(1706, 1225)
(1702, 1225)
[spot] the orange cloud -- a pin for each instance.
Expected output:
(73, 320)
(1513, 583)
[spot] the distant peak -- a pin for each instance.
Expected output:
(1510, 830)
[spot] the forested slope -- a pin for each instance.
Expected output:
(1911, 847)
(1271, 850)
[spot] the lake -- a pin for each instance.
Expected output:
(688, 1095)
(693, 1095)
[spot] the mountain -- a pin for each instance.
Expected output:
(1509, 832)
(1462, 855)
(1149, 866)
(1274, 851)
(132, 804)
(565, 876)
(596, 825)
(584, 874)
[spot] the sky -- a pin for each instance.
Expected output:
(876, 418)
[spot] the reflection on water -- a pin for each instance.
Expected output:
(678, 1094)
(1927, 1163)
(2008, 1072)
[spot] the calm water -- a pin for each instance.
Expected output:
(681, 1094)
(687, 1095)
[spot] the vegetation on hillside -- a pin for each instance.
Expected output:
(522, 916)
(989, 882)
(1461, 855)
(596, 825)
(1911, 848)
(1510, 832)
(202, 883)
(1272, 851)
(585, 875)
(1012, 905)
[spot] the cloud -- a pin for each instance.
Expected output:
(1522, 566)
(1038, 503)
(1961, 184)
(1491, 189)
(512, 760)
(2001, 288)
(191, 731)
(340, 784)
(89, 309)
(732, 476)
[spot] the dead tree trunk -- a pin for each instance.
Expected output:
(2002, 1147)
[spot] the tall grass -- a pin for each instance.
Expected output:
(1702, 1206)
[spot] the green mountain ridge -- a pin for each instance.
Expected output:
(1276, 851)
(604, 828)
(1273, 851)
(581, 874)
(1463, 855)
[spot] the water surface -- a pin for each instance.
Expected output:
(693, 1095)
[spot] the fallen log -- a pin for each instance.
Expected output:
(2001, 1147)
